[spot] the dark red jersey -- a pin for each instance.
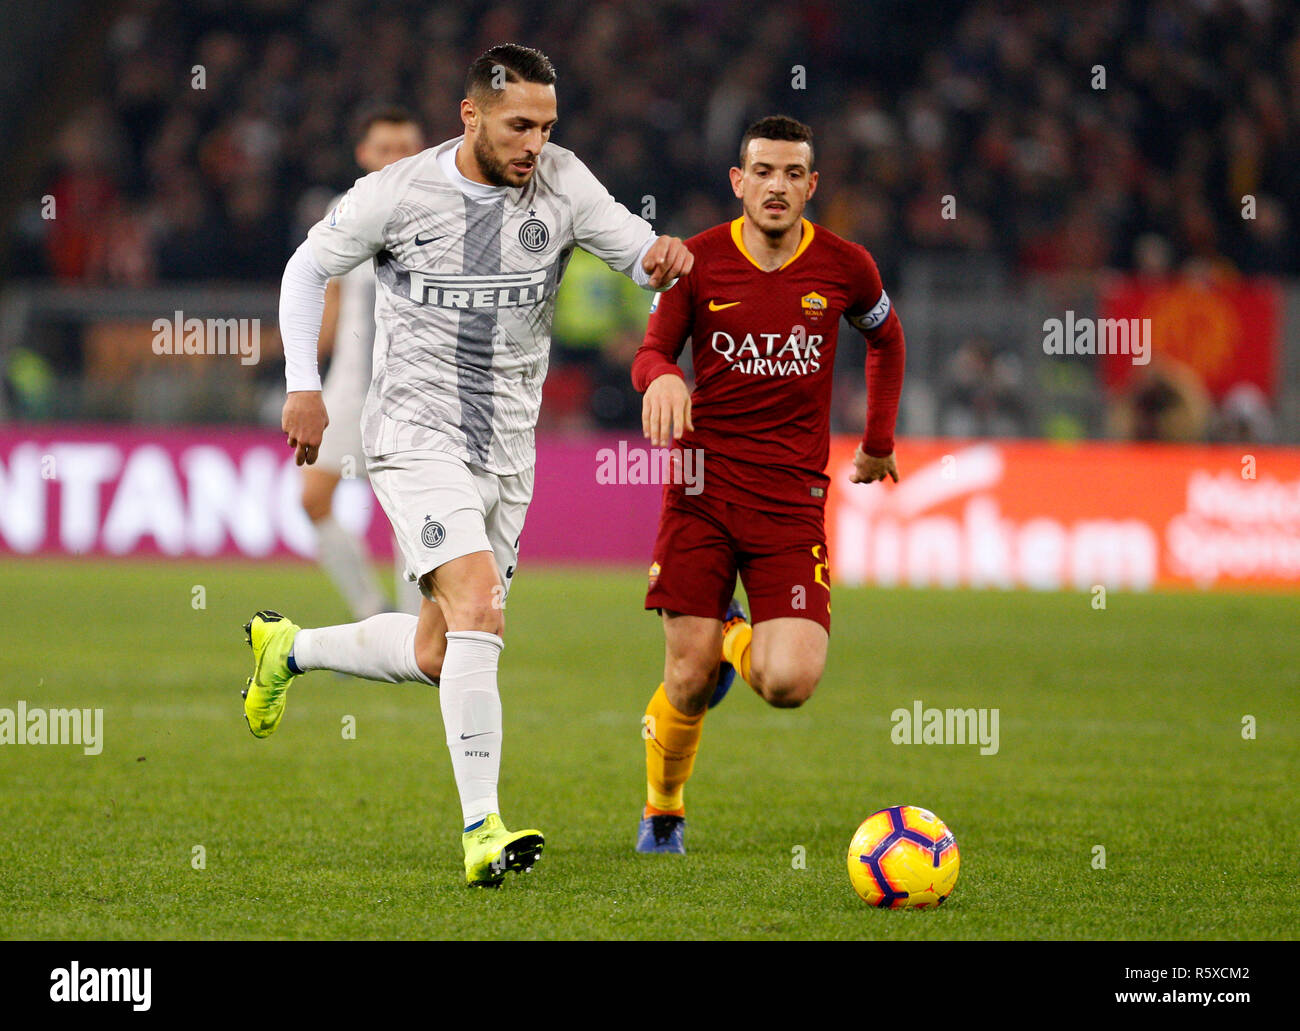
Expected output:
(763, 346)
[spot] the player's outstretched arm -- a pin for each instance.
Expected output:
(868, 469)
(667, 260)
(666, 410)
(625, 242)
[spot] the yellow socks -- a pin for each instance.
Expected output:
(671, 739)
(735, 648)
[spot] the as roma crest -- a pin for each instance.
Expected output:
(814, 306)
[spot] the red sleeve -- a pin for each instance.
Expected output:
(886, 352)
(873, 314)
(665, 335)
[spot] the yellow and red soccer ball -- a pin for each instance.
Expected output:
(903, 857)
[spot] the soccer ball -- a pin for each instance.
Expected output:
(903, 857)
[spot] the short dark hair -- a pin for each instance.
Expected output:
(518, 63)
(777, 127)
(383, 114)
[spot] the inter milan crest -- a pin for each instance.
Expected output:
(534, 235)
(433, 533)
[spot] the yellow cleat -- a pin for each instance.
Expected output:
(491, 850)
(271, 638)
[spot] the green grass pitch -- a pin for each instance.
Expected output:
(1119, 728)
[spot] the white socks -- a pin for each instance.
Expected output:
(344, 558)
(471, 715)
(383, 648)
(379, 648)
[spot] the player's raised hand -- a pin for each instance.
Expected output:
(304, 420)
(666, 409)
(666, 260)
(868, 470)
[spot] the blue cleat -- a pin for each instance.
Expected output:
(662, 834)
(726, 671)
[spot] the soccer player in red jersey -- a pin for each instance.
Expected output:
(761, 308)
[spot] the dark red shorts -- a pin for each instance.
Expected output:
(705, 542)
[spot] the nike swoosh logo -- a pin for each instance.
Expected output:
(466, 737)
(715, 306)
(420, 240)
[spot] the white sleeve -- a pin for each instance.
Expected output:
(606, 229)
(353, 231)
(640, 276)
(302, 305)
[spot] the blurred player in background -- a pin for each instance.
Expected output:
(469, 239)
(762, 308)
(384, 135)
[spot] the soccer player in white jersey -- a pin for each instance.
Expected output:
(469, 240)
(384, 135)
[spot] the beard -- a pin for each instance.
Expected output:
(494, 170)
(774, 225)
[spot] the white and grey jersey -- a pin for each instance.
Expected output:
(465, 296)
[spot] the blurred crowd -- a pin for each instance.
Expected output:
(1064, 137)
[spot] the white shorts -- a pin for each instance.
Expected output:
(340, 449)
(441, 509)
